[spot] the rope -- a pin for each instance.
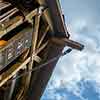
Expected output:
(42, 65)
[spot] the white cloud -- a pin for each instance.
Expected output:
(76, 66)
(85, 65)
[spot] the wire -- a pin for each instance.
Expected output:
(42, 65)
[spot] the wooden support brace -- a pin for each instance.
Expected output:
(68, 42)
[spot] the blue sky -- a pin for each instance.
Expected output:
(77, 75)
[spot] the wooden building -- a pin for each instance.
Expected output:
(32, 36)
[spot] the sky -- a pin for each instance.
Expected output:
(77, 75)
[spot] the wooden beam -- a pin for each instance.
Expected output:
(57, 17)
(67, 42)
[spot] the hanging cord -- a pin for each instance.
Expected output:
(42, 65)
